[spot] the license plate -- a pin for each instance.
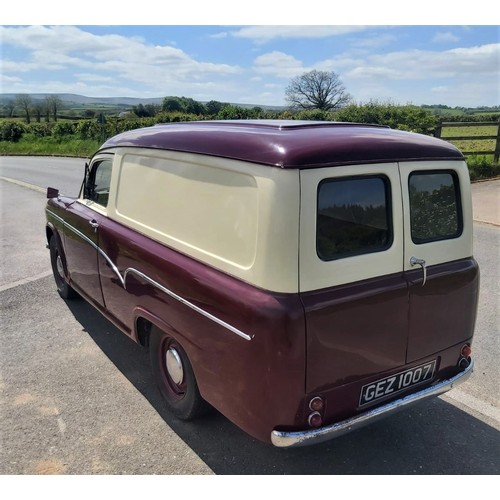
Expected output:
(388, 386)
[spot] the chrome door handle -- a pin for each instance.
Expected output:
(414, 261)
(94, 224)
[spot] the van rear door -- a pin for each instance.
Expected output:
(351, 272)
(439, 268)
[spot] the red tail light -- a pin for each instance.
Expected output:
(316, 404)
(466, 351)
(315, 419)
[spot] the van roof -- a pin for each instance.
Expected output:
(289, 143)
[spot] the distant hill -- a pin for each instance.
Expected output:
(124, 102)
(81, 99)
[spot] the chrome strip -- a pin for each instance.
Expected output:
(129, 270)
(186, 303)
(90, 242)
(314, 436)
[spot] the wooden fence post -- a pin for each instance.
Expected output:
(439, 128)
(496, 155)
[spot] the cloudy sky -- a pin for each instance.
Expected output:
(456, 65)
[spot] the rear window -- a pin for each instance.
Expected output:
(353, 217)
(435, 210)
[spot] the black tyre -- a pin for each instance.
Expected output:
(64, 290)
(175, 377)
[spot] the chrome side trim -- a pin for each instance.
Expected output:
(315, 436)
(187, 303)
(90, 242)
(131, 270)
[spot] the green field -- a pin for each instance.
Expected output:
(471, 131)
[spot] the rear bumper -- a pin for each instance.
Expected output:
(314, 436)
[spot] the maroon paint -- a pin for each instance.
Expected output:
(234, 375)
(290, 144)
(443, 311)
(80, 256)
(355, 330)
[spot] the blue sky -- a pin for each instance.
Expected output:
(456, 65)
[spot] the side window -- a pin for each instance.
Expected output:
(435, 210)
(353, 217)
(99, 181)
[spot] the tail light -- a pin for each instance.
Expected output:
(317, 406)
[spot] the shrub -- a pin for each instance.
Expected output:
(480, 167)
(89, 129)
(62, 129)
(11, 131)
(314, 114)
(40, 129)
(409, 118)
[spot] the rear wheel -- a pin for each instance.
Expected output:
(174, 376)
(64, 290)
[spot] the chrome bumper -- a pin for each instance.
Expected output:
(314, 436)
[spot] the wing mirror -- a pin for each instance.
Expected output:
(52, 192)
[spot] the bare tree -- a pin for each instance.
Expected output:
(38, 109)
(25, 102)
(9, 107)
(54, 104)
(317, 90)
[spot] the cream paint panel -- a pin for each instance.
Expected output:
(315, 273)
(209, 210)
(438, 252)
(238, 217)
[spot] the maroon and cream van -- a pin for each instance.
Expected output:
(303, 278)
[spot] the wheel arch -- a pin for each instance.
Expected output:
(145, 320)
(50, 230)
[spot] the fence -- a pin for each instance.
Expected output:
(495, 153)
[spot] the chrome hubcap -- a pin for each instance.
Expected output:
(59, 266)
(174, 366)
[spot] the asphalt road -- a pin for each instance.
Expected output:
(77, 396)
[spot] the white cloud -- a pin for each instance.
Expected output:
(374, 42)
(278, 64)
(420, 64)
(90, 77)
(445, 37)
(60, 47)
(440, 89)
(263, 34)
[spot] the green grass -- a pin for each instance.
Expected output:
(471, 131)
(50, 146)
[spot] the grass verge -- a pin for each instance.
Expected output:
(50, 146)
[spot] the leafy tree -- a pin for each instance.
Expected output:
(213, 107)
(192, 106)
(183, 105)
(317, 90)
(152, 109)
(147, 110)
(25, 102)
(172, 103)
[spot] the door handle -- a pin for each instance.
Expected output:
(94, 224)
(414, 261)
